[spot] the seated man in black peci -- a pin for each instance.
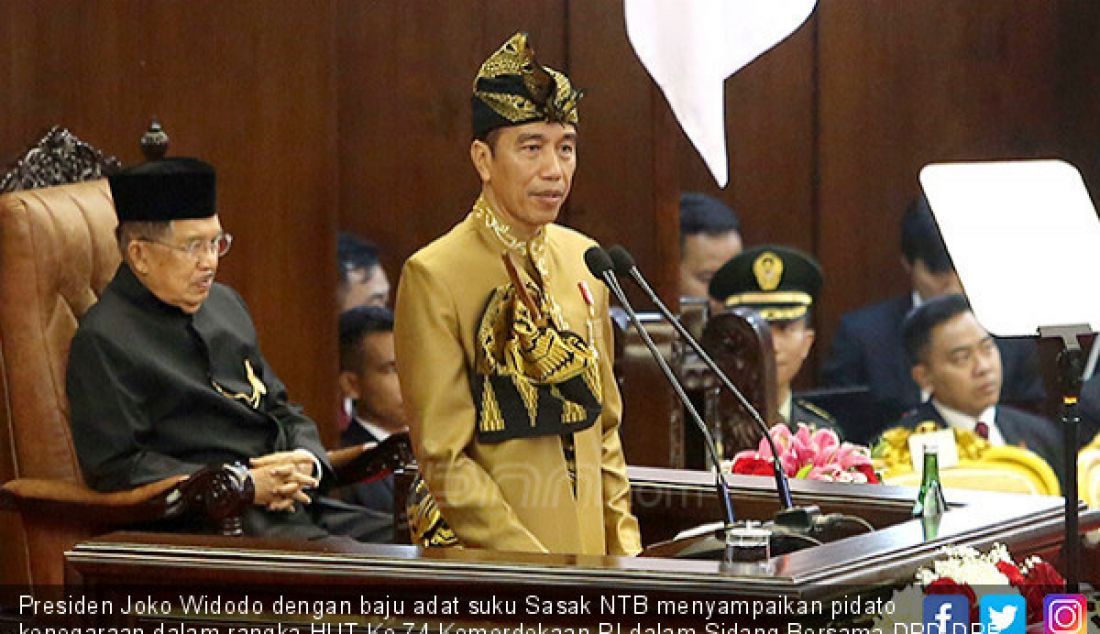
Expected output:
(165, 375)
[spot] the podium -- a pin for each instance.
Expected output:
(665, 500)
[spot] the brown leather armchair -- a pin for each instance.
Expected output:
(57, 253)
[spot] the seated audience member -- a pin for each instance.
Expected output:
(957, 362)
(710, 234)
(363, 282)
(166, 377)
(368, 377)
(781, 284)
(867, 347)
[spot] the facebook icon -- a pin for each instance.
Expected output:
(946, 614)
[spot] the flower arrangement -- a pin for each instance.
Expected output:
(810, 454)
(892, 449)
(971, 573)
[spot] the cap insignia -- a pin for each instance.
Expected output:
(768, 269)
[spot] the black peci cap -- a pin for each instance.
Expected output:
(176, 188)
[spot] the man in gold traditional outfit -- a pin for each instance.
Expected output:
(504, 344)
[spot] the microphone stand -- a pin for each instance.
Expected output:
(608, 276)
(789, 515)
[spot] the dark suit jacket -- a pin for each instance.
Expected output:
(377, 494)
(1018, 428)
(867, 349)
(141, 386)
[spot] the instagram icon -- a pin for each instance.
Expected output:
(1064, 614)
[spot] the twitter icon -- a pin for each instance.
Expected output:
(1003, 614)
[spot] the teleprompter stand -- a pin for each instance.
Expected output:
(1071, 364)
(1015, 231)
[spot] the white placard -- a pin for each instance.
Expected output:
(1024, 238)
(944, 442)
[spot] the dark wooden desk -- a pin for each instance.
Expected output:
(666, 501)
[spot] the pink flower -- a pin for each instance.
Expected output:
(815, 454)
(849, 456)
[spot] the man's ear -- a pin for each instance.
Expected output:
(807, 342)
(481, 155)
(349, 385)
(922, 376)
(138, 257)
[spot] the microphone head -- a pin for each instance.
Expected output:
(598, 261)
(622, 259)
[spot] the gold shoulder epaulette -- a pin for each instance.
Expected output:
(816, 410)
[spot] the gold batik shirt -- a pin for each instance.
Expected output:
(517, 494)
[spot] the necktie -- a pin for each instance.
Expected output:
(982, 430)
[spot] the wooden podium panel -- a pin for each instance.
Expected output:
(611, 595)
(666, 501)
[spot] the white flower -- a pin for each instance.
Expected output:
(908, 609)
(966, 565)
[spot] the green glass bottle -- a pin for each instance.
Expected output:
(930, 501)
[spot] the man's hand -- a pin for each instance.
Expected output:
(279, 479)
(301, 460)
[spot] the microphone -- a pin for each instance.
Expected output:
(600, 265)
(790, 515)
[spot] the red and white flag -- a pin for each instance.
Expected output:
(690, 47)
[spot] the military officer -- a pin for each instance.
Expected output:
(781, 284)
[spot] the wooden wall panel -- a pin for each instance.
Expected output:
(405, 73)
(911, 83)
(248, 86)
(770, 136)
(1077, 89)
(626, 190)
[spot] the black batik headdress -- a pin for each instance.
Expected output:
(512, 88)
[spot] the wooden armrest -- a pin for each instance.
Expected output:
(363, 462)
(213, 492)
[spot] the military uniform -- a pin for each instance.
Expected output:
(781, 284)
(803, 411)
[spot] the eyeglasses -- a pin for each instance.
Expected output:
(218, 246)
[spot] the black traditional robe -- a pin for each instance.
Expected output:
(151, 392)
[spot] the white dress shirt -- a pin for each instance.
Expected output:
(379, 433)
(958, 420)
